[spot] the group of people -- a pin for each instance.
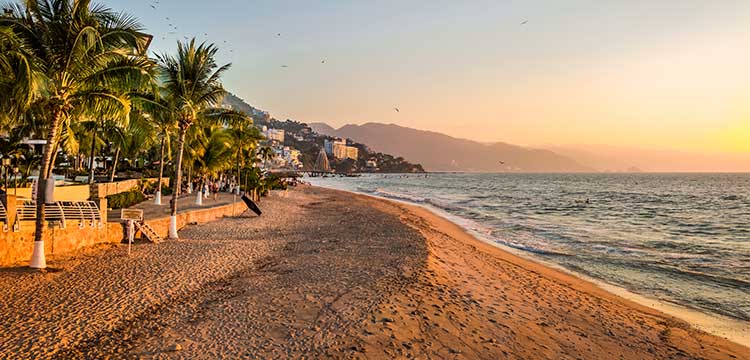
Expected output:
(213, 187)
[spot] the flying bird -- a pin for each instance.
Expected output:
(524, 22)
(284, 66)
(502, 162)
(323, 62)
(278, 34)
(397, 110)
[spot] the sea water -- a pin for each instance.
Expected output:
(680, 238)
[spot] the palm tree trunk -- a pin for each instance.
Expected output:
(190, 178)
(239, 156)
(161, 165)
(37, 257)
(91, 159)
(178, 183)
(114, 164)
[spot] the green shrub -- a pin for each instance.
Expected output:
(126, 199)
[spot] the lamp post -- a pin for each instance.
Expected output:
(15, 180)
(6, 168)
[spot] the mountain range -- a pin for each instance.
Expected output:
(440, 152)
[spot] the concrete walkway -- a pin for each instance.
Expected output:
(185, 203)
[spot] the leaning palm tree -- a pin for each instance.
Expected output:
(192, 87)
(90, 58)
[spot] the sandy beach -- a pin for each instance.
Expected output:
(328, 274)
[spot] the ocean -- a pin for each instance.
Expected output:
(679, 238)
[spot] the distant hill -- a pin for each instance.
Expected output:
(440, 152)
(631, 159)
(237, 104)
(322, 128)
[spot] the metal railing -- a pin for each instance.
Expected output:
(85, 212)
(3, 217)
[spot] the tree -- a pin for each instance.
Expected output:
(212, 151)
(191, 85)
(19, 76)
(89, 57)
(266, 154)
(245, 138)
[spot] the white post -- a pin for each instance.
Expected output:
(157, 198)
(37, 256)
(173, 227)
(131, 234)
(38, 261)
(199, 198)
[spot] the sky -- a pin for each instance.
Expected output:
(668, 74)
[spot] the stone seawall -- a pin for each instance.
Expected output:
(161, 225)
(16, 247)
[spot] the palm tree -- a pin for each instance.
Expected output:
(212, 151)
(89, 58)
(192, 87)
(19, 74)
(245, 138)
(266, 154)
(164, 122)
(133, 139)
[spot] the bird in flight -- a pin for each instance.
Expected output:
(278, 34)
(502, 162)
(322, 61)
(397, 110)
(284, 66)
(524, 22)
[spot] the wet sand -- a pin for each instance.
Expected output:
(329, 274)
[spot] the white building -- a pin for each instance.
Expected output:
(329, 144)
(345, 152)
(274, 134)
(340, 150)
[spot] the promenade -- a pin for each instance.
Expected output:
(185, 203)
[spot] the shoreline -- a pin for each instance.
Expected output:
(724, 327)
(329, 274)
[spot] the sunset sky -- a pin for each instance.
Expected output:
(669, 74)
